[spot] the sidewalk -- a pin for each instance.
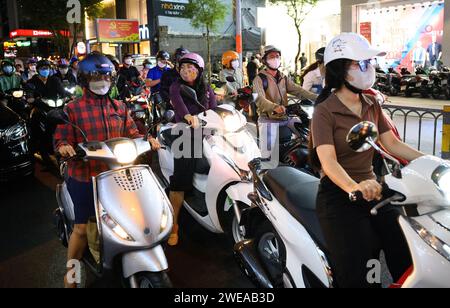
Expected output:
(418, 102)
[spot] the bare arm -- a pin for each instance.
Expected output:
(398, 148)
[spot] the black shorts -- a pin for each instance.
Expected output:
(82, 195)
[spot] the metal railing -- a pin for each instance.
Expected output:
(405, 115)
(420, 114)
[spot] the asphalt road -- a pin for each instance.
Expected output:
(32, 257)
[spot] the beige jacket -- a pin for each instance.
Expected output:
(277, 93)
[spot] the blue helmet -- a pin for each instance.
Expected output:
(94, 64)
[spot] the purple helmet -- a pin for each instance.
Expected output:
(195, 59)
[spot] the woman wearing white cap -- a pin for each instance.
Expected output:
(354, 237)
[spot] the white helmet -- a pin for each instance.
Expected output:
(350, 46)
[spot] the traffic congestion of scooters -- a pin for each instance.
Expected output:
(235, 153)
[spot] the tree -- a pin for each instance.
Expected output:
(53, 16)
(298, 10)
(207, 15)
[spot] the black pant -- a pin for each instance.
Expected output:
(354, 237)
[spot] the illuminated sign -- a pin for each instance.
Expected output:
(35, 33)
(170, 9)
(117, 31)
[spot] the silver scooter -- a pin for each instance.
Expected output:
(134, 217)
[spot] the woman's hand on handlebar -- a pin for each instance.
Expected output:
(154, 143)
(280, 110)
(67, 151)
(193, 121)
(371, 190)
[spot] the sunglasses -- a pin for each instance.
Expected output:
(364, 64)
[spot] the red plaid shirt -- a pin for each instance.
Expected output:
(101, 121)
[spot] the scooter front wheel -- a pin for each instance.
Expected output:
(148, 280)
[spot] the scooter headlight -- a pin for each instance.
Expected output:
(434, 242)
(125, 152)
(441, 177)
(232, 123)
(18, 94)
(115, 227)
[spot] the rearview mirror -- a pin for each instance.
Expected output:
(230, 79)
(58, 116)
(189, 92)
(169, 115)
(362, 136)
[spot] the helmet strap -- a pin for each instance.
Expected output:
(352, 88)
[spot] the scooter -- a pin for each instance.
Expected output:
(222, 180)
(286, 247)
(133, 214)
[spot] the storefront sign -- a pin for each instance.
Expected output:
(144, 33)
(170, 9)
(117, 31)
(81, 48)
(23, 44)
(365, 29)
(35, 33)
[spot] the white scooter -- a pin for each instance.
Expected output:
(287, 247)
(222, 179)
(133, 214)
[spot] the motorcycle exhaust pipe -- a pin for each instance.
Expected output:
(245, 255)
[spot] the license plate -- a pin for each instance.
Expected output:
(418, 85)
(403, 88)
(444, 82)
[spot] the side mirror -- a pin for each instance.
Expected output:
(169, 115)
(58, 116)
(363, 136)
(189, 92)
(230, 79)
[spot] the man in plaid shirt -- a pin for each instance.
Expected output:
(101, 119)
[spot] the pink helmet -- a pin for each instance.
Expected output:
(193, 58)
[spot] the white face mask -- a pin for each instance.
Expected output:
(64, 71)
(274, 63)
(235, 65)
(101, 87)
(33, 68)
(128, 61)
(362, 80)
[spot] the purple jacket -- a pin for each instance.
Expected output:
(184, 105)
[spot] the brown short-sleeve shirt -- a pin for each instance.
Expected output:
(330, 126)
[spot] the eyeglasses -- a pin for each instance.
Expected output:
(364, 64)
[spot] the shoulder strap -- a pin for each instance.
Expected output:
(265, 81)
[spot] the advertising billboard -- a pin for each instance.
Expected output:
(117, 31)
(411, 34)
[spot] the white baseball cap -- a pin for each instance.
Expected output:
(350, 46)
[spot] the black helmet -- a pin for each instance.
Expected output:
(43, 63)
(179, 53)
(114, 61)
(320, 55)
(163, 55)
(94, 64)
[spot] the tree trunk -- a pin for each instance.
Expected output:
(299, 52)
(208, 40)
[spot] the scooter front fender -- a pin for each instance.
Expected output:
(153, 260)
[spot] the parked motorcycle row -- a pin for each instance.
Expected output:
(424, 83)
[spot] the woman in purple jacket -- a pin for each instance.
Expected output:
(186, 110)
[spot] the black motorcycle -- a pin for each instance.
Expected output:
(42, 128)
(439, 82)
(16, 160)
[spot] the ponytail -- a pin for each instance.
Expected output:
(335, 78)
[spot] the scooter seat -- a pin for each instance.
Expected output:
(297, 193)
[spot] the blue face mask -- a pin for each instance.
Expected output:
(8, 70)
(44, 73)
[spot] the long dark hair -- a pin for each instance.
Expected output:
(200, 86)
(335, 78)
